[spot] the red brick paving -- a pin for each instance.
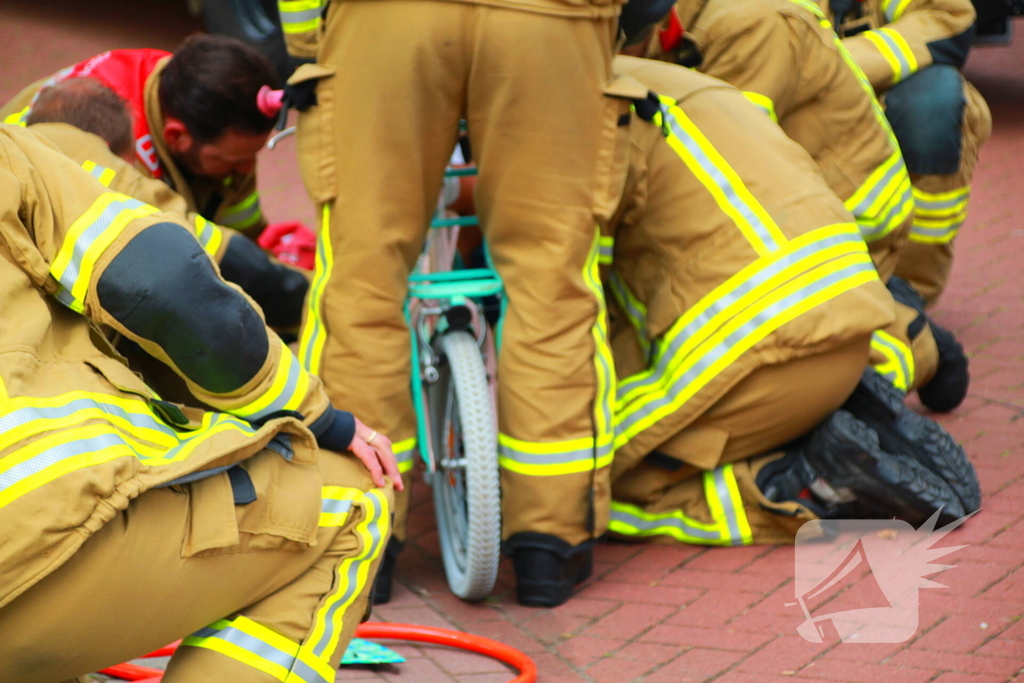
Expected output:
(662, 614)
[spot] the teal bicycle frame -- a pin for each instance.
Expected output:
(447, 289)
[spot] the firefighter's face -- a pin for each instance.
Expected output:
(232, 155)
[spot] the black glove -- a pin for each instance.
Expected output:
(300, 96)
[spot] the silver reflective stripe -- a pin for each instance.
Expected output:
(723, 303)
(897, 52)
(234, 217)
(720, 180)
(333, 506)
(206, 232)
(98, 171)
(625, 298)
(941, 232)
(926, 204)
(90, 234)
(563, 458)
(651, 527)
(287, 391)
(22, 416)
(875, 229)
(709, 357)
(56, 454)
(261, 649)
(300, 16)
(329, 635)
(899, 168)
(725, 499)
(897, 353)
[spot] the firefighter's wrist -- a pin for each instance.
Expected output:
(334, 430)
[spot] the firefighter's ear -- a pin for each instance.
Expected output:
(176, 135)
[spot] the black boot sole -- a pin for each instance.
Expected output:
(847, 454)
(900, 430)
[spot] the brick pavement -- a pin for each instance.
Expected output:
(664, 614)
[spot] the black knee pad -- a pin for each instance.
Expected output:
(926, 112)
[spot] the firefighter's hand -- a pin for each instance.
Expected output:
(302, 95)
(374, 450)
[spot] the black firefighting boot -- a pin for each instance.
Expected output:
(547, 568)
(878, 404)
(381, 591)
(852, 474)
(948, 388)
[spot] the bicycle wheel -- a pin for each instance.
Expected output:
(467, 493)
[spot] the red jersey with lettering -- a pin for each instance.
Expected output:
(125, 72)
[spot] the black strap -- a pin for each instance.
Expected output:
(241, 485)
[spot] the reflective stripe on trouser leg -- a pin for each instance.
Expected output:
(939, 215)
(728, 525)
(316, 659)
(898, 364)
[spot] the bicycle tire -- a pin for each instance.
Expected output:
(467, 496)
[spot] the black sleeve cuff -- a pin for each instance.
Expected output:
(334, 430)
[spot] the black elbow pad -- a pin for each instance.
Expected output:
(163, 288)
(279, 290)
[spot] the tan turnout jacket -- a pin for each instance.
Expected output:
(80, 434)
(893, 39)
(730, 253)
(825, 105)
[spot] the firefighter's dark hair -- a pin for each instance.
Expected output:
(87, 104)
(210, 85)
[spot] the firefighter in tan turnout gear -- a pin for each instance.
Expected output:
(912, 52)
(197, 126)
(527, 76)
(829, 108)
(744, 303)
(249, 528)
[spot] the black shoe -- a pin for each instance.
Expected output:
(948, 388)
(900, 430)
(547, 568)
(789, 480)
(381, 591)
(846, 455)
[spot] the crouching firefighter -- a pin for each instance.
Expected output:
(256, 529)
(743, 304)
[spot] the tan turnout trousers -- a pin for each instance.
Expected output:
(373, 152)
(155, 573)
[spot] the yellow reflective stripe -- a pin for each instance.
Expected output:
(286, 392)
(718, 177)
(762, 102)
(210, 236)
(895, 50)
(299, 16)
(87, 239)
(938, 216)
(314, 334)
(691, 355)
(405, 452)
(884, 199)
(351, 579)
(582, 454)
(19, 118)
(894, 9)
(630, 520)
(104, 175)
(243, 214)
(746, 535)
(634, 309)
(898, 367)
(607, 249)
(336, 501)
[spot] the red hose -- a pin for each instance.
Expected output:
(409, 632)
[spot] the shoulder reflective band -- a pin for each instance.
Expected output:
(299, 16)
(87, 239)
(895, 51)
(938, 216)
(209, 235)
(718, 177)
(314, 335)
(19, 118)
(729, 525)
(732, 318)
(571, 456)
(80, 429)
(884, 200)
(898, 367)
(894, 9)
(244, 214)
(762, 102)
(286, 392)
(100, 173)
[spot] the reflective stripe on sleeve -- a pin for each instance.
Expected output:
(244, 214)
(898, 367)
(895, 51)
(939, 216)
(87, 239)
(299, 16)
(894, 9)
(100, 173)
(762, 102)
(210, 236)
(884, 200)
(289, 388)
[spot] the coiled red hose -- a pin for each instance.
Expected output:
(408, 632)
